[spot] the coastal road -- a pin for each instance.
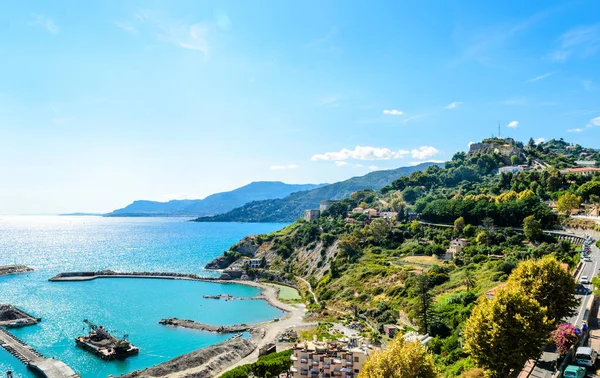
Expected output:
(544, 367)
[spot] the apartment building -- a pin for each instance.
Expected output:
(328, 359)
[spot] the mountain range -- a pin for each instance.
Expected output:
(292, 207)
(214, 204)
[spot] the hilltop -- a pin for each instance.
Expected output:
(374, 256)
(292, 207)
(214, 204)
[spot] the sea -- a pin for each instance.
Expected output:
(133, 307)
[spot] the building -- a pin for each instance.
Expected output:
(328, 359)
(511, 168)
(371, 212)
(490, 293)
(358, 210)
(586, 171)
(324, 205)
(253, 263)
(586, 163)
(391, 330)
(311, 215)
(388, 215)
(414, 336)
(456, 247)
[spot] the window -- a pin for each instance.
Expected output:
(355, 359)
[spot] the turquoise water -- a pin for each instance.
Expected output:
(127, 306)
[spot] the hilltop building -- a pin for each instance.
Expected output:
(586, 163)
(324, 205)
(456, 247)
(512, 169)
(586, 171)
(311, 215)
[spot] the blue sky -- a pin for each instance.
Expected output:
(104, 102)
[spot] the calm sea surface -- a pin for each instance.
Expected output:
(127, 306)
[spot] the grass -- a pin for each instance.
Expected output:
(287, 293)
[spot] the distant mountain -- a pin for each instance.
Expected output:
(214, 204)
(292, 207)
(81, 215)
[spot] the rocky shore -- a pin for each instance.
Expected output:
(83, 276)
(175, 322)
(203, 363)
(12, 269)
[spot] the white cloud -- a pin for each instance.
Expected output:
(539, 140)
(470, 143)
(373, 167)
(282, 167)
(361, 153)
(575, 130)
(341, 163)
(359, 165)
(394, 112)
(453, 105)
(541, 77)
(583, 41)
(190, 37)
(45, 22)
(594, 122)
(423, 152)
(513, 124)
(126, 26)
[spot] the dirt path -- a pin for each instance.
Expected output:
(310, 290)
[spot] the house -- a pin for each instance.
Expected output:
(490, 293)
(328, 359)
(413, 216)
(311, 215)
(511, 168)
(391, 330)
(594, 212)
(456, 246)
(461, 242)
(358, 210)
(324, 205)
(414, 336)
(586, 171)
(253, 263)
(388, 215)
(370, 212)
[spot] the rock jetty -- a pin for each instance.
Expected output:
(175, 322)
(12, 269)
(203, 363)
(85, 276)
(12, 317)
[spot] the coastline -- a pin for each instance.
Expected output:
(6, 270)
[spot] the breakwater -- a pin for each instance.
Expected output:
(87, 276)
(47, 367)
(13, 269)
(175, 322)
(11, 316)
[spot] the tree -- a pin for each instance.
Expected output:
(483, 238)
(488, 224)
(459, 225)
(424, 302)
(568, 202)
(532, 228)
(263, 262)
(397, 205)
(512, 325)
(564, 337)
(547, 282)
(350, 247)
(380, 230)
(469, 280)
(400, 360)
(514, 160)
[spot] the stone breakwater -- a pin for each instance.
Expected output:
(175, 322)
(203, 363)
(12, 269)
(84, 276)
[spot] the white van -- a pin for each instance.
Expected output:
(586, 356)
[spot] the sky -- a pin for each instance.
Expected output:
(106, 102)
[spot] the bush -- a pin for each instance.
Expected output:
(267, 366)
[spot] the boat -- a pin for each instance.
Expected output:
(104, 345)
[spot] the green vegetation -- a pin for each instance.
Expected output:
(267, 366)
(400, 360)
(373, 269)
(292, 207)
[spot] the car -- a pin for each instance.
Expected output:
(584, 280)
(573, 371)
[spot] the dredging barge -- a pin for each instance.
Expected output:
(104, 345)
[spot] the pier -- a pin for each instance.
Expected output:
(11, 317)
(47, 367)
(88, 276)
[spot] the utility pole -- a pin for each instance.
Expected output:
(499, 136)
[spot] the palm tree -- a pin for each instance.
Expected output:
(469, 280)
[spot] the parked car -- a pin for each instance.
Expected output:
(573, 371)
(584, 280)
(586, 356)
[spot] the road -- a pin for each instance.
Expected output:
(544, 367)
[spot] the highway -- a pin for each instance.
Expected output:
(544, 367)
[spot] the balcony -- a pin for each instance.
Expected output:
(293, 370)
(303, 361)
(293, 358)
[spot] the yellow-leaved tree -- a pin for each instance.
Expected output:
(401, 359)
